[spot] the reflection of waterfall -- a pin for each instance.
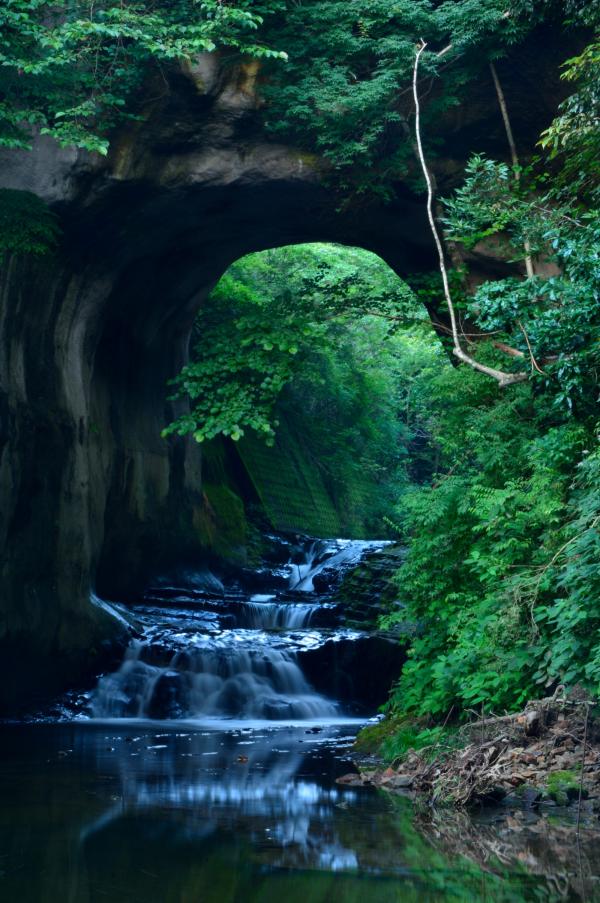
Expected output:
(222, 780)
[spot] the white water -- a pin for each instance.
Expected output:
(263, 614)
(217, 681)
(189, 665)
(324, 555)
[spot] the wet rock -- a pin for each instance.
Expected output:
(168, 697)
(401, 781)
(263, 579)
(354, 671)
(531, 795)
(368, 590)
(351, 780)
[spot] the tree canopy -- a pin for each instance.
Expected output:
(72, 68)
(267, 316)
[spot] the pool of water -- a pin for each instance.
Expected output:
(242, 812)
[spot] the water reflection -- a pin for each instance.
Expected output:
(261, 778)
(184, 813)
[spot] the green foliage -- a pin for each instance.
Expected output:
(72, 68)
(27, 226)
(345, 92)
(566, 590)
(560, 782)
(552, 320)
(502, 574)
(574, 136)
(502, 567)
(267, 317)
(241, 365)
(346, 403)
(409, 737)
(552, 218)
(313, 335)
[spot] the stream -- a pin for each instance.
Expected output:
(203, 767)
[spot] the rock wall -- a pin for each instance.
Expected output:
(91, 497)
(289, 487)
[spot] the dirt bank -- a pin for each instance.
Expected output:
(547, 755)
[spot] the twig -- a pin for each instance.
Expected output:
(542, 570)
(534, 363)
(439, 482)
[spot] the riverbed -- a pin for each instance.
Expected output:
(203, 768)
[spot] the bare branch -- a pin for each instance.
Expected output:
(516, 352)
(534, 363)
(502, 378)
(514, 156)
(508, 349)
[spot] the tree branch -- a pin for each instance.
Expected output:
(501, 377)
(508, 349)
(514, 156)
(534, 363)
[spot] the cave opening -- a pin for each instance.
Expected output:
(289, 411)
(95, 497)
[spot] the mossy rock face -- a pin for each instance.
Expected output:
(563, 787)
(27, 225)
(369, 591)
(370, 739)
(222, 523)
(289, 486)
(215, 469)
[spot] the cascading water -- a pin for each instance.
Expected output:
(324, 555)
(262, 613)
(231, 677)
(216, 778)
(208, 652)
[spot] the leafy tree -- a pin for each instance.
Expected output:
(501, 578)
(345, 92)
(548, 324)
(479, 534)
(72, 69)
(574, 136)
(268, 315)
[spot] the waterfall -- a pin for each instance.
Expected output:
(212, 652)
(261, 613)
(324, 555)
(219, 680)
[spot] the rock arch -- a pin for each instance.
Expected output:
(90, 336)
